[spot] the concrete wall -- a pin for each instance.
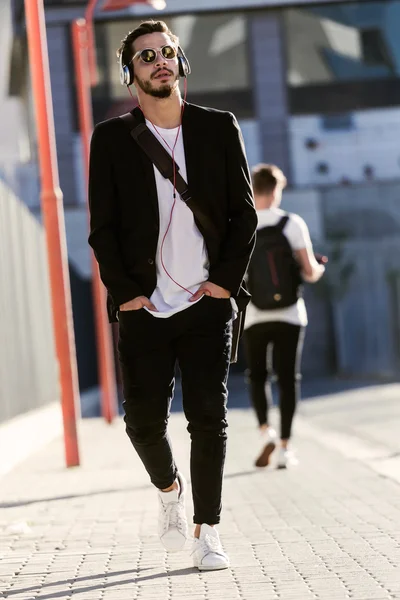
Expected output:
(372, 138)
(269, 81)
(28, 366)
(367, 318)
(356, 307)
(364, 211)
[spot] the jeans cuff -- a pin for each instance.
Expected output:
(166, 483)
(209, 521)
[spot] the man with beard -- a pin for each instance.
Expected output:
(174, 284)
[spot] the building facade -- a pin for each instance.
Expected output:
(315, 86)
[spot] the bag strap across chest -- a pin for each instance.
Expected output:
(162, 160)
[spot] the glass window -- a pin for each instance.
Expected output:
(338, 122)
(343, 43)
(336, 54)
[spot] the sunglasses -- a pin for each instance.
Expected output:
(149, 55)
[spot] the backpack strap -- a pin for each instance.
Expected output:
(282, 223)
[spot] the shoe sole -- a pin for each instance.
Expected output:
(263, 459)
(289, 465)
(219, 568)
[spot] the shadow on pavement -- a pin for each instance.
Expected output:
(70, 496)
(102, 586)
(27, 502)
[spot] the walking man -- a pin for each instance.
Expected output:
(277, 316)
(173, 275)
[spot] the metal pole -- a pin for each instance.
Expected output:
(105, 354)
(53, 216)
(91, 42)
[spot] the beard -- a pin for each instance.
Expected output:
(165, 91)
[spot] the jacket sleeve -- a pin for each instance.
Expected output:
(103, 214)
(238, 245)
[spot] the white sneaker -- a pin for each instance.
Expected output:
(172, 522)
(207, 551)
(269, 437)
(285, 459)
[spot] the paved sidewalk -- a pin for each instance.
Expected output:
(327, 529)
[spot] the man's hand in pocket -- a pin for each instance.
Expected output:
(137, 304)
(210, 289)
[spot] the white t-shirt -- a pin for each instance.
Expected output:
(184, 252)
(298, 236)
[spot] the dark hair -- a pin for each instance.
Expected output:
(266, 178)
(146, 27)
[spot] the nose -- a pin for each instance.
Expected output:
(160, 60)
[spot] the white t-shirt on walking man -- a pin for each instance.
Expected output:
(184, 251)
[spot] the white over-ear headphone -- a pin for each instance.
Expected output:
(127, 76)
(124, 72)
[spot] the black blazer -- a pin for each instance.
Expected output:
(124, 217)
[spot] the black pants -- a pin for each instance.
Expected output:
(287, 345)
(199, 339)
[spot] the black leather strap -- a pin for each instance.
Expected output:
(162, 160)
(282, 223)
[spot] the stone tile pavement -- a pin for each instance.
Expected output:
(327, 529)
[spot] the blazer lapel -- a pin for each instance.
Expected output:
(148, 169)
(194, 152)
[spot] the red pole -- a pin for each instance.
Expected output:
(91, 43)
(53, 216)
(105, 352)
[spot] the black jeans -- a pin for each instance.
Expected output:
(199, 339)
(287, 342)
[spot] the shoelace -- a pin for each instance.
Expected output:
(210, 544)
(173, 514)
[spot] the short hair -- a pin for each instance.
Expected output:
(146, 27)
(266, 178)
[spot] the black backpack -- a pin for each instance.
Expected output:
(274, 279)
